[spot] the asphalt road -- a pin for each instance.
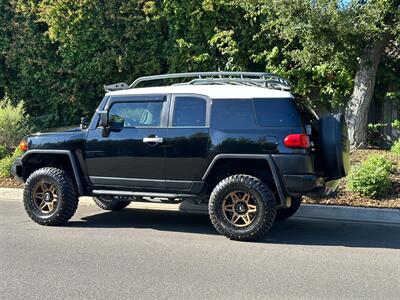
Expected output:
(136, 254)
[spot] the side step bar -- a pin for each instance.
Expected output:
(142, 194)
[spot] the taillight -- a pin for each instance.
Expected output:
(23, 146)
(299, 140)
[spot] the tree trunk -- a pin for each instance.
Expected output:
(364, 82)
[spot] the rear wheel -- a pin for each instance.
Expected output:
(285, 213)
(50, 196)
(109, 203)
(242, 207)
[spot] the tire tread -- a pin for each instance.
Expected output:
(266, 194)
(68, 196)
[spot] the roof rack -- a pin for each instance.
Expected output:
(259, 79)
(116, 87)
(222, 77)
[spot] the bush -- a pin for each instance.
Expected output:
(379, 161)
(5, 166)
(371, 177)
(13, 123)
(3, 151)
(396, 147)
(6, 163)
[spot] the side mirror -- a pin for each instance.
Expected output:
(84, 123)
(116, 123)
(103, 118)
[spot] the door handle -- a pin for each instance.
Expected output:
(153, 140)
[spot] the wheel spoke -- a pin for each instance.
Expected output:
(228, 207)
(246, 197)
(246, 219)
(251, 208)
(234, 197)
(42, 205)
(41, 187)
(235, 218)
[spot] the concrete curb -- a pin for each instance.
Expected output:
(314, 211)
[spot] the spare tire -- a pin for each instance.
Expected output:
(335, 146)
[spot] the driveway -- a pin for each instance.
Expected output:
(141, 254)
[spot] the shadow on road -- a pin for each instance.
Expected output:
(293, 231)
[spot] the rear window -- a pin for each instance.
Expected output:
(232, 114)
(276, 113)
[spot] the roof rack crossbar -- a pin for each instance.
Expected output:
(275, 84)
(263, 79)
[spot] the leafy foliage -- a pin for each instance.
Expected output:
(57, 54)
(396, 124)
(371, 177)
(396, 147)
(6, 163)
(13, 123)
(3, 151)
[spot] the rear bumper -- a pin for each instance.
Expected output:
(299, 175)
(301, 184)
(16, 169)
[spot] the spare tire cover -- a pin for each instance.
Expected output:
(335, 146)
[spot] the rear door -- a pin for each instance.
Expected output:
(134, 156)
(187, 140)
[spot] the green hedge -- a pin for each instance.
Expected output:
(371, 177)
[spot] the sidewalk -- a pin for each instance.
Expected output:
(313, 211)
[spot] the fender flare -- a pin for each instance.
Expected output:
(74, 165)
(284, 199)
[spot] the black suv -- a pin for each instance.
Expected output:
(240, 142)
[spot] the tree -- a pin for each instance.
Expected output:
(381, 19)
(56, 55)
(333, 50)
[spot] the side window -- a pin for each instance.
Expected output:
(137, 113)
(189, 111)
(276, 113)
(232, 114)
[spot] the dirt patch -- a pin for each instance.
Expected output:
(8, 182)
(344, 197)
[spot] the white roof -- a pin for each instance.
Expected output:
(212, 91)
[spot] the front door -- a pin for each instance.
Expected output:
(135, 155)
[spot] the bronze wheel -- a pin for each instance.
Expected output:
(50, 196)
(242, 207)
(45, 197)
(239, 208)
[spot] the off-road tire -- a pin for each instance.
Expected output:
(66, 192)
(266, 210)
(285, 213)
(110, 204)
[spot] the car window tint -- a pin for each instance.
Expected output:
(189, 111)
(138, 113)
(232, 114)
(276, 113)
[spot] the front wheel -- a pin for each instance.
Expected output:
(50, 196)
(242, 207)
(109, 203)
